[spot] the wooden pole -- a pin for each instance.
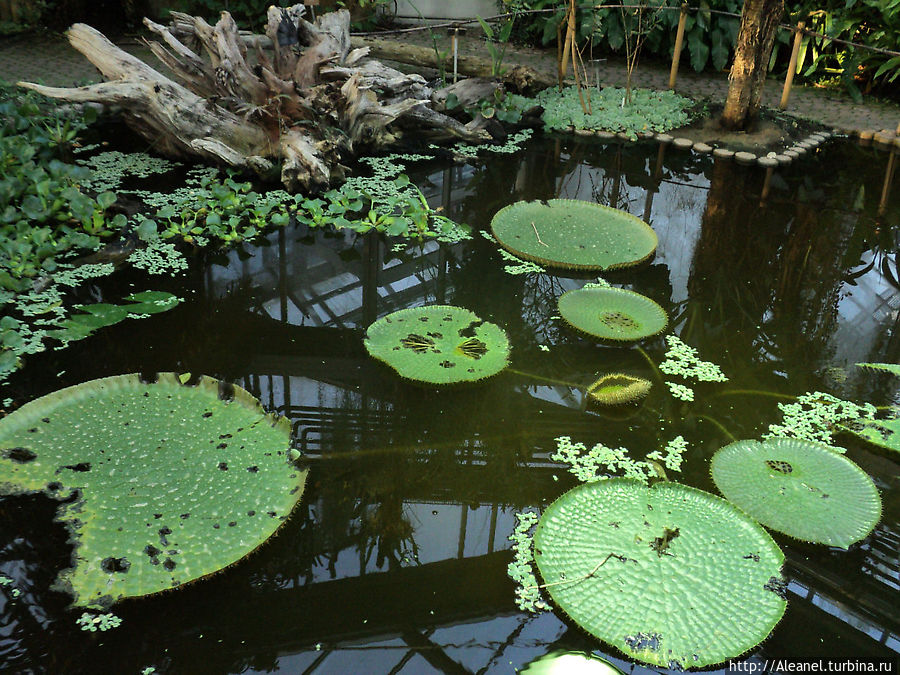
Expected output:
(888, 180)
(798, 38)
(454, 45)
(679, 39)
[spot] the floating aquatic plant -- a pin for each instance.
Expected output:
(596, 463)
(618, 389)
(573, 234)
(816, 415)
(680, 391)
(671, 455)
(658, 571)
(684, 360)
(520, 570)
(800, 488)
(103, 622)
(612, 313)
(160, 483)
(440, 344)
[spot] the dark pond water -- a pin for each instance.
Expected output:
(396, 560)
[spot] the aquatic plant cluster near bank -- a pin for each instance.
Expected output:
(55, 213)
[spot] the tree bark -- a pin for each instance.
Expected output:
(759, 23)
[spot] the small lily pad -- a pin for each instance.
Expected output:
(670, 575)
(618, 389)
(439, 344)
(160, 483)
(798, 487)
(573, 234)
(612, 313)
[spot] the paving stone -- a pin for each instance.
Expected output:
(745, 158)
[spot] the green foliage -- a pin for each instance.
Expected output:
(648, 110)
(612, 313)
(159, 483)
(496, 43)
(440, 344)
(45, 211)
(875, 23)
(800, 488)
(573, 234)
(600, 462)
(656, 571)
(520, 570)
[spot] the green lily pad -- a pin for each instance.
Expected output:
(801, 488)
(164, 483)
(439, 344)
(884, 433)
(670, 575)
(612, 313)
(618, 389)
(573, 234)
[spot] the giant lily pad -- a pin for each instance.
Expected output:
(798, 487)
(670, 575)
(162, 483)
(439, 344)
(612, 313)
(573, 234)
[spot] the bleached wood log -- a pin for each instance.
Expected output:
(309, 105)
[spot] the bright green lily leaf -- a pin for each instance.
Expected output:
(612, 313)
(669, 575)
(893, 368)
(573, 234)
(440, 344)
(801, 488)
(618, 389)
(168, 483)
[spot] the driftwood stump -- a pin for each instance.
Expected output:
(306, 105)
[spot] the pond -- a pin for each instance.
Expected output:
(396, 559)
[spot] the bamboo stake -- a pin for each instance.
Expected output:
(679, 39)
(798, 38)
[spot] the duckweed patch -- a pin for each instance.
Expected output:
(152, 510)
(521, 569)
(815, 416)
(684, 360)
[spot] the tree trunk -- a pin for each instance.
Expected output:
(759, 23)
(305, 107)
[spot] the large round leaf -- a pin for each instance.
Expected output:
(670, 575)
(574, 234)
(801, 488)
(164, 483)
(439, 344)
(612, 313)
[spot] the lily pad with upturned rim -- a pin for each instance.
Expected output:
(670, 575)
(573, 234)
(439, 344)
(161, 483)
(800, 488)
(612, 313)
(615, 389)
